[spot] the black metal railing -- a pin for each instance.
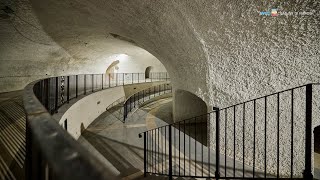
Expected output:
(267, 137)
(51, 152)
(142, 96)
(56, 91)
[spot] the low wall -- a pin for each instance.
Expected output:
(83, 112)
(130, 89)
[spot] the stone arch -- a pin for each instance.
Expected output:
(147, 71)
(112, 67)
(187, 105)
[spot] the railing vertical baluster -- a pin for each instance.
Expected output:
(85, 84)
(208, 145)
(145, 153)
(175, 149)
(307, 174)
(158, 150)
(122, 78)
(291, 161)
(234, 141)
(225, 142)
(217, 173)
(179, 145)
(165, 146)
(254, 138)
(56, 95)
(184, 148)
(265, 137)
(190, 147)
(162, 153)
(134, 100)
(92, 83)
(68, 89)
(77, 79)
(195, 146)
(102, 81)
(278, 131)
(170, 153)
(243, 138)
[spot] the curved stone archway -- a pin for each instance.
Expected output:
(187, 105)
(147, 71)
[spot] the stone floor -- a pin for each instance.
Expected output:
(114, 143)
(118, 146)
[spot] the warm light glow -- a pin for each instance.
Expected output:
(122, 57)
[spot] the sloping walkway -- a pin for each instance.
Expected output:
(12, 136)
(118, 146)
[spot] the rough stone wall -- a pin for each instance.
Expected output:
(28, 52)
(237, 128)
(222, 51)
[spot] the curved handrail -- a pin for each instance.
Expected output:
(51, 151)
(217, 109)
(127, 105)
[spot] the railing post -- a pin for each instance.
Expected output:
(122, 78)
(68, 89)
(76, 86)
(217, 173)
(92, 84)
(170, 153)
(85, 85)
(307, 174)
(56, 96)
(132, 78)
(101, 81)
(145, 153)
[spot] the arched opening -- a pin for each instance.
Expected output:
(317, 152)
(112, 68)
(147, 72)
(187, 105)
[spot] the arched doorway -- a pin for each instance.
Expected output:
(187, 105)
(147, 72)
(113, 67)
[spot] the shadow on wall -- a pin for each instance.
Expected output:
(187, 105)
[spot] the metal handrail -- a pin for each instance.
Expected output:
(174, 131)
(127, 105)
(51, 152)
